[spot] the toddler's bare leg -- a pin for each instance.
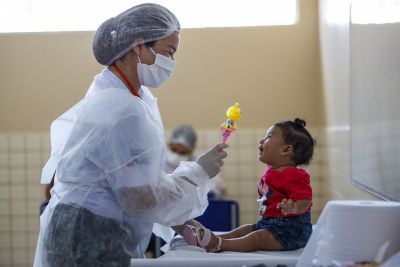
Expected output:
(257, 240)
(238, 232)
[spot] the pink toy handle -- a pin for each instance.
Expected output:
(225, 136)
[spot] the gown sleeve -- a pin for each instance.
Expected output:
(130, 156)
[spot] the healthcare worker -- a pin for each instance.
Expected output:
(108, 152)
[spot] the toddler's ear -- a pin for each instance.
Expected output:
(287, 150)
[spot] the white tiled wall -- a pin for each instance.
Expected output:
(337, 167)
(23, 156)
(21, 160)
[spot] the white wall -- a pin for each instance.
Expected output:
(334, 31)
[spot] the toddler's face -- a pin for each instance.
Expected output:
(271, 146)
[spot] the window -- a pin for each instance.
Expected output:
(86, 15)
(375, 11)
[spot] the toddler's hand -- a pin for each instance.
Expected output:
(287, 206)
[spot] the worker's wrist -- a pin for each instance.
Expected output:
(193, 171)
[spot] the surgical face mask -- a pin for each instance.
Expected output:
(156, 74)
(174, 159)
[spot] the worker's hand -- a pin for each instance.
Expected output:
(212, 160)
(287, 206)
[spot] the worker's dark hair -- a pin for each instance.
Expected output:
(150, 44)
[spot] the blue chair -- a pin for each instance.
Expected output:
(220, 215)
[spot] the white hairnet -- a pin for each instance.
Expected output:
(140, 24)
(184, 134)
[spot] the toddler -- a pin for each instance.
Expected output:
(285, 197)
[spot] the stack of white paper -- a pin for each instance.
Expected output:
(355, 230)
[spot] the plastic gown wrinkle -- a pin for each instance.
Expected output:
(108, 153)
(162, 203)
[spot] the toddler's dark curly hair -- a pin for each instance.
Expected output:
(295, 134)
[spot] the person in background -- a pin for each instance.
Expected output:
(285, 197)
(181, 147)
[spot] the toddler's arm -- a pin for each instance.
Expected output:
(289, 206)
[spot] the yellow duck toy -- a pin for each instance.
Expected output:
(230, 125)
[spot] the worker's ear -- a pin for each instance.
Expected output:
(137, 49)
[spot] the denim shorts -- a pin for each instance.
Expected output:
(291, 232)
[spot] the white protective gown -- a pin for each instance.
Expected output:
(108, 153)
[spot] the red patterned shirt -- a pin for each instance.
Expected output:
(290, 183)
